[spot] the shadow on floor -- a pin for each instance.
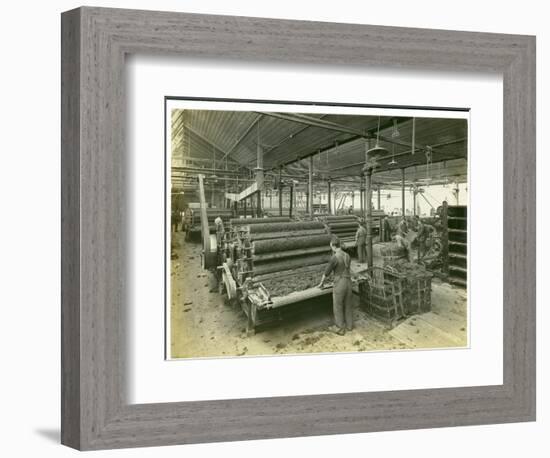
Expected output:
(53, 435)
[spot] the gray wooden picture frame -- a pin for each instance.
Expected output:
(95, 412)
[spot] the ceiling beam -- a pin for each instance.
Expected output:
(314, 122)
(202, 137)
(333, 144)
(243, 136)
(402, 153)
(286, 139)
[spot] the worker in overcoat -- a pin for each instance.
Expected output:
(342, 296)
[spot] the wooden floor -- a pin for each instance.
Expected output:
(445, 326)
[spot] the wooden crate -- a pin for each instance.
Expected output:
(389, 295)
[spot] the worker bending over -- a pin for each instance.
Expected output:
(361, 242)
(422, 237)
(342, 298)
(402, 227)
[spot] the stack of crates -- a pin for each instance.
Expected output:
(418, 293)
(390, 296)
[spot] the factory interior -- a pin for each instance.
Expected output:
(256, 198)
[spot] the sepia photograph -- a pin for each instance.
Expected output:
(300, 228)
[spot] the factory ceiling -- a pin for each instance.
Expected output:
(336, 142)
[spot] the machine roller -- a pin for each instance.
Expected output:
(276, 265)
(344, 227)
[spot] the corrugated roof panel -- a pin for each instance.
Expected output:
(235, 133)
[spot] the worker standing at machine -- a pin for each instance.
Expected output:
(386, 229)
(342, 296)
(361, 242)
(219, 230)
(175, 219)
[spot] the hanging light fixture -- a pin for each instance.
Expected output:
(393, 161)
(395, 132)
(377, 148)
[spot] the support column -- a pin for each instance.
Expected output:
(329, 199)
(310, 187)
(414, 202)
(403, 192)
(280, 188)
(378, 196)
(362, 200)
(291, 200)
(259, 178)
(368, 204)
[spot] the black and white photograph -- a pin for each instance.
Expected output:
(298, 228)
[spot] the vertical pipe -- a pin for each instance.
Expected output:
(364, 203)
(368, 198)
(414, 202)
(403, 192)
(204, 223)
(378, 196)
(280, 187)
(290, 205)
(310, 187)
(329, 199)
(259, 175)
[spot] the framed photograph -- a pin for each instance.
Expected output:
(252, 208)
